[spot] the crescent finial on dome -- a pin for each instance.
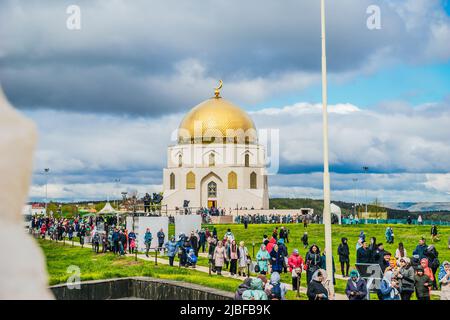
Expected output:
(217, 90)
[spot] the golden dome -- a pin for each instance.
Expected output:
(217, 120)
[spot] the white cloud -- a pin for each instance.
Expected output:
(406, 150)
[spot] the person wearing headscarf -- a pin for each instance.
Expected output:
(405, 276)
(256, 291)
(172, 249)
(313, 261)
(344, 256)
(295, 263)
(444, 280)
(242, 288)
(316, 289)
(270, 245)
(277, 289)
(243, 258)
(393, 265)
(283, 253)
(219, 257)
(266, 284)
(276, 259)
(356, 287)
(426, 269)
(389, 288)
(263, 258)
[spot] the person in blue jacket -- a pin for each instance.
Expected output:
(276, 259)
(115, 240)
(191, 259)
(421, 248)
(148, 241)
(389, 287)
(172, 249)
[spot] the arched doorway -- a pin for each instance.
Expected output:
(211, 191)
(212, 194)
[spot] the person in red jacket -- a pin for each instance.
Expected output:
(43, 230)
(295, 263)
(270, 245)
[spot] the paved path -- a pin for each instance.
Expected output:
(338, 296)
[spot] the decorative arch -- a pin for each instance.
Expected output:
(232, 180)
(172, 181)
(190, 180)
(253, 184)
(212, 159)
(247, 160)
(212, 189)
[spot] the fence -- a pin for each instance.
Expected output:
(395, 221)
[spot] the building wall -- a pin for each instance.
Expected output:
(227, 158)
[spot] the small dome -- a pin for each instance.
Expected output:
(217, 120)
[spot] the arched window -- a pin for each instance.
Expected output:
(172, 181)
(180, 160)
(190, 180)
(212, 190)
(252, 180)
(232, 180)
(212, 160)
(247, 160)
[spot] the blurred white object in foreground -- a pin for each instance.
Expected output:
(23, 273)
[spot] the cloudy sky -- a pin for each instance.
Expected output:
(107, 98)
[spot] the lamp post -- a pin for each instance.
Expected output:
(326, 173)
(46, 171)
(116, 181)
(355, 180)
(366, 169)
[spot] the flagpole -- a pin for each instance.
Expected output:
(326, 173)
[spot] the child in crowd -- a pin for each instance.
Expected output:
(191, 259)
(422, 284)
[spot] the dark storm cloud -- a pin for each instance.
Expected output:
(159, 57)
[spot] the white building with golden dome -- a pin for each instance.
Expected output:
(217, 161)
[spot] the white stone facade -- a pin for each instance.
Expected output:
(226, 176)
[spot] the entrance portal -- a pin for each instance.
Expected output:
(212, 203)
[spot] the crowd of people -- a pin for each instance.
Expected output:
(276, 219)
(401, 274)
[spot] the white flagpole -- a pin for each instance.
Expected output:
(326, 174)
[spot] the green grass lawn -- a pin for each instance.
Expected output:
(104, 266)
(407, 234)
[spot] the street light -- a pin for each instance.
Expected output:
(355, 180)
(326, 173)
(366, 169)
(116, 181)
(46, 171)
